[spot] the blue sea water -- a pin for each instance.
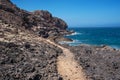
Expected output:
(96, 36)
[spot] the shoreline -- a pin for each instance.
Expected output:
(30, 49)
(73, 42)
(98, 62)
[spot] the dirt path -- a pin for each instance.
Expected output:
(67, 66)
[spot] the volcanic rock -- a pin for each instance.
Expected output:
(24, 56)
(34, 21)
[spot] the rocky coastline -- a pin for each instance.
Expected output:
(25, 53)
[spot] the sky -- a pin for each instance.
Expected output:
(78, 13)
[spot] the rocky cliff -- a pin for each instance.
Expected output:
(24, 55)
(41, 22)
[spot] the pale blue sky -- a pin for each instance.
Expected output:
(78, 13)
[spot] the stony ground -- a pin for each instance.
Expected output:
(24, 56)
(99, 63)
(67, 66)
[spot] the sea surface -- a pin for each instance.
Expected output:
(96, 36)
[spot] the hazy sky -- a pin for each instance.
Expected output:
(78, 13)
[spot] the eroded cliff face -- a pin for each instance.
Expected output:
(41, 22)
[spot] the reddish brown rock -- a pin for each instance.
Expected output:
(35, 21)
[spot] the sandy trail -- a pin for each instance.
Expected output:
(66, 65)
(68, 68)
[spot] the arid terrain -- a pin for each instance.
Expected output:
(29, 49)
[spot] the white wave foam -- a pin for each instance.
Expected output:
(75, 33)
(76, 41)
(71, 43)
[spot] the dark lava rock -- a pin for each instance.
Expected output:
(19, 62)
(99, 63)
(36, 21)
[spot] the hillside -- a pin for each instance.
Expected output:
(29, 49)
(24, 56)
(25, 53)
(41, 22)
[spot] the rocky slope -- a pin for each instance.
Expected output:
(25, 56)
(41, 22)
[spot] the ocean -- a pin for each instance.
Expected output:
(95, 36)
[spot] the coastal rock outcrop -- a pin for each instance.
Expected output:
(35, 21)
(24, 55)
